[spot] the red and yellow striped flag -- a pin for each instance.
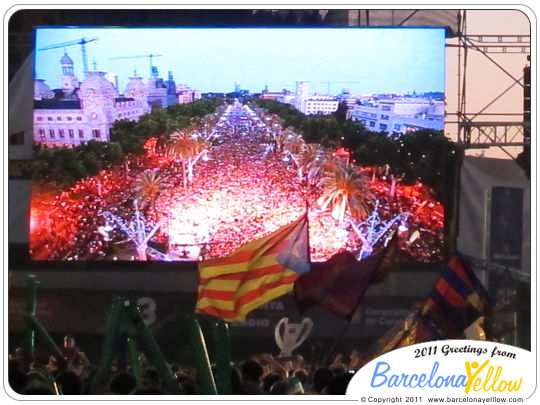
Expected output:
(256, 273)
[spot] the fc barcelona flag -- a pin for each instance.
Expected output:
(457, 299)
(256, 273)
(339, 284)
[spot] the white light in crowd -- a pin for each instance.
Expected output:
(414, 236)
(403, 227)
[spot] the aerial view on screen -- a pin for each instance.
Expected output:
(186, 143)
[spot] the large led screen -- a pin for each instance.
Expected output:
(186, 143)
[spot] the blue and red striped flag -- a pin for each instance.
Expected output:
(456, 300)
(256, 273)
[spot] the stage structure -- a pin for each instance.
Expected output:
(476, 130)
(508, 282)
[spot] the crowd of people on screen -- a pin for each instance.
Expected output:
(243, 192)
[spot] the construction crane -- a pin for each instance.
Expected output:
(139, 57)
(82, 42)
(329, 83)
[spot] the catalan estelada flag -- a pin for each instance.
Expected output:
(256, 273)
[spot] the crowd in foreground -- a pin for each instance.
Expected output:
(262, 374)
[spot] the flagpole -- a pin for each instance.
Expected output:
(337, 340)
(307, 224)
(380, 262)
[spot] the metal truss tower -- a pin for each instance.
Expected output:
(478, 130)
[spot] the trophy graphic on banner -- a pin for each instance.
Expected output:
(289, 336)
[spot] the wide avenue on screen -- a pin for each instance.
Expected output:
(177, 144)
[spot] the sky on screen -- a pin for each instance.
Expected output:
(363, 60)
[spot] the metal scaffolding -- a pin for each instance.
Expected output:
(475, 130)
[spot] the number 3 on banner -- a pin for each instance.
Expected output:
(147, 307)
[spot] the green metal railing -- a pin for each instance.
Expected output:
(125, 313)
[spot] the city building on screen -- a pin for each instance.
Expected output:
(186, 94)
(399, 114)
(303, 99)
(80, 112)
(389, 113)
(311, 104)
(275, 95)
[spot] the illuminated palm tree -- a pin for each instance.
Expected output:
(280, 138)
(309, 153)
(274, 126)
(345, 189)
(199, 150)
(293, 143)
(149, 186)
(181, 149)
(188, 150)
(322, 164)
